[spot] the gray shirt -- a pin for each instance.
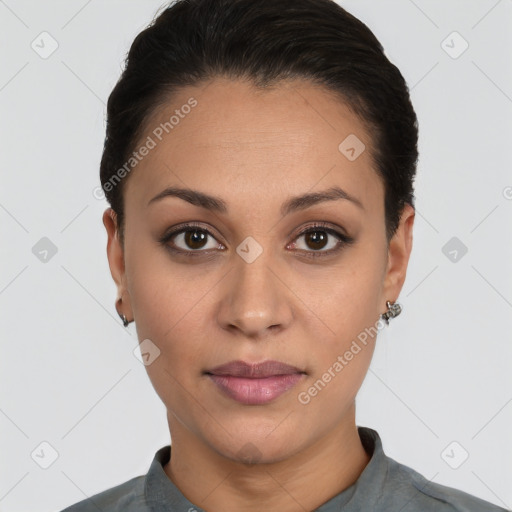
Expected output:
(384, 485)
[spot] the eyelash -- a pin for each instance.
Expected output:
(344, 240)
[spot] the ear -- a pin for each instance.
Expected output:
(115, 255)
(399, 250)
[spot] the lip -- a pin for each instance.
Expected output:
(255, 384)
(268, 368)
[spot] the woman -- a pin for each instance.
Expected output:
(259, 162)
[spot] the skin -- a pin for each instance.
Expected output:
(255, 149)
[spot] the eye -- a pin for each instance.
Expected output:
(321, 240)
(190, 239)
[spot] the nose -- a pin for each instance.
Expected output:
(255, 300)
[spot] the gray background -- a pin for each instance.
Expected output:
(441, 371)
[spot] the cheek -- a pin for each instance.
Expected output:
(345, 299)
(168, 309)
(168, 312)
(158, 290)
(346, 311)
(170, 306)
(341, 356)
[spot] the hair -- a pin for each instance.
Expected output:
(265, 41)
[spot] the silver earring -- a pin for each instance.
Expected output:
(394, 309)
(125, 320)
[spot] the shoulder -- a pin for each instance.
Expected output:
(128, 496)
(419, 494)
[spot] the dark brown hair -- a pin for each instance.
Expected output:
(265, 41)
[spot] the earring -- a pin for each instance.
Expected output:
(394, 309)
(123, 318)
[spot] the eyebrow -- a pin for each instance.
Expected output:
(293, 204)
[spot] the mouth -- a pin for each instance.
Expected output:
(255, 384)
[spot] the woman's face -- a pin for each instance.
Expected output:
(243, 284)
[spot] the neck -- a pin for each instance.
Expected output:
(303, 481)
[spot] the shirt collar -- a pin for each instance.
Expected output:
(162, 494)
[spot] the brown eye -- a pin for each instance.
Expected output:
(316, 239)
(190, 240)
(195, 239)
(320, 240)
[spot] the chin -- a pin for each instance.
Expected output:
(258, 444)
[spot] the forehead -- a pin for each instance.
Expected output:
(233, 140)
